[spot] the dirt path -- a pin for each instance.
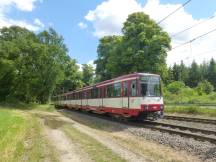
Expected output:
(69, 152)
(66, 150)
(108, 142)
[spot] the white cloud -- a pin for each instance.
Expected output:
(21, 5)
(82, 25)
(39, 23)
(91, 62)
(109, 16)
(22, 23)
(80, 67)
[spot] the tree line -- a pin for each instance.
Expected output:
(33, 67)
(194, 74)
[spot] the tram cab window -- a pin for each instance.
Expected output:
(133, 88)
(150, 86)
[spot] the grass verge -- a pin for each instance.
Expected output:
(22, 106)
(191, 110)
(21, 138)
(96, 151)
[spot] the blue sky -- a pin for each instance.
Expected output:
(65, 15)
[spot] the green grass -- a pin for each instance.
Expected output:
(192, 110)
(189, 97)
(21, 138)
(23, 106)
(45, 107)
(96, 151)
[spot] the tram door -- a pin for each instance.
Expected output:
(133, 94)
(100, 97)
(125, 96)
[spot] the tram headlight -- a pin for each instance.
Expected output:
(146, 107)
(162, 107)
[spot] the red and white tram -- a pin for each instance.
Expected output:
(135, 95)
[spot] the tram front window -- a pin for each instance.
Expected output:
(150, 86)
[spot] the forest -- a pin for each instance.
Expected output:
(36, 66)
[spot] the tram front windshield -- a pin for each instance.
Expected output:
(150, 86)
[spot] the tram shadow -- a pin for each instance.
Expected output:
(95, 121)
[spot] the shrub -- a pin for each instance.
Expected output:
(205, 87)
(175, 87)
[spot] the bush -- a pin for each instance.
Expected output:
(205, 87)
(175, 87)
(192, 110)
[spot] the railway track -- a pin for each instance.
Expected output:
(196, 133)
(189, 132)
(190, 119)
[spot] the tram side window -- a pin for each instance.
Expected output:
(89, 94)
(84, 95)
(125, 87)
(109, 91)
(99, 92)
(133, 88)
(92, 93)
(117, 89)
(80, 95)
(95, 93)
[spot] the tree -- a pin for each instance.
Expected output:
(31, 64)
(72, 78)
(88, 74)
(145, 45)
(170, 77)
(204, 70)
(176, 72)
(142, 48)
(16, 45)
(194, 75)
(183, 72)
(211, 73)
(105, 50)
(180, 72)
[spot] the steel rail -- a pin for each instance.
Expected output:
(192, 129)
(185, 134)
(191, 119)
